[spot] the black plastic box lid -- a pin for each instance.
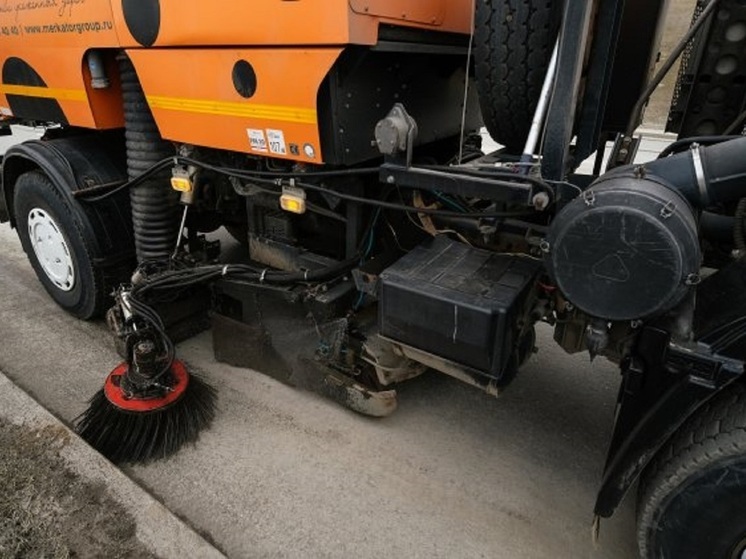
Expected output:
(456, 302)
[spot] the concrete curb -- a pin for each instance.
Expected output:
(157, 527)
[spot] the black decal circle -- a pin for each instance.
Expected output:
(244, 79)
(143, 18)
(19, 72)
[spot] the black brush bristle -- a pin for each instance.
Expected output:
(128, 437)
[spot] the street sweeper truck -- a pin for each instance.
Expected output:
(339, 142)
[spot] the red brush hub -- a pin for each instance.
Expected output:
(115, 395)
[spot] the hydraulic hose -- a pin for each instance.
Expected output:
(717, 228)
(154, 203)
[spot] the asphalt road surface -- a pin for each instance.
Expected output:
(284, 473)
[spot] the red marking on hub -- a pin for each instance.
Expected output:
(113, 393)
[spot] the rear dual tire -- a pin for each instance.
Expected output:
(692, 498)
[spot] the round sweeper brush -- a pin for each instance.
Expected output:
(146, 410)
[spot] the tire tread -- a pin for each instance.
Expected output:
(513, 41)
(716, 432)
(100, 287)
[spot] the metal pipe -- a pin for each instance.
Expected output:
(529, 151)
(181, 231)
(97, 67)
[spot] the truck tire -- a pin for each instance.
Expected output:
(57, 247)
(513, 43)
(692, 498)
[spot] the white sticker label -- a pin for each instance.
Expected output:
(5, 111)
(277, 142)
(257, 140)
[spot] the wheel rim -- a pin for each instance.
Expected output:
(51, 249)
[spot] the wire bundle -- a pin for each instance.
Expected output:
(275, 180)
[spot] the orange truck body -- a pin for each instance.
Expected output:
(185, 53)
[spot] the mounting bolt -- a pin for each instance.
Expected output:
(541, 201)
(589, 197)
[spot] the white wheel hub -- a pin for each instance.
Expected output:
(51, 249)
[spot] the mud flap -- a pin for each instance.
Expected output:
(665, 383)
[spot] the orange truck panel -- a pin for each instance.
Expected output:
(430, 13)
(61, 78)
(279, 22)
(279, 119)
(56, 24)
(42, 47)
(260, 22)
(444, 15)
(290, 44)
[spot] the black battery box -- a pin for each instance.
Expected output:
(457, 302)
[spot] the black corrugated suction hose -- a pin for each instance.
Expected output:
(722, 168)
(154, 203)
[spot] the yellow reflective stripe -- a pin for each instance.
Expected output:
(226, 108)
(45, 92)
